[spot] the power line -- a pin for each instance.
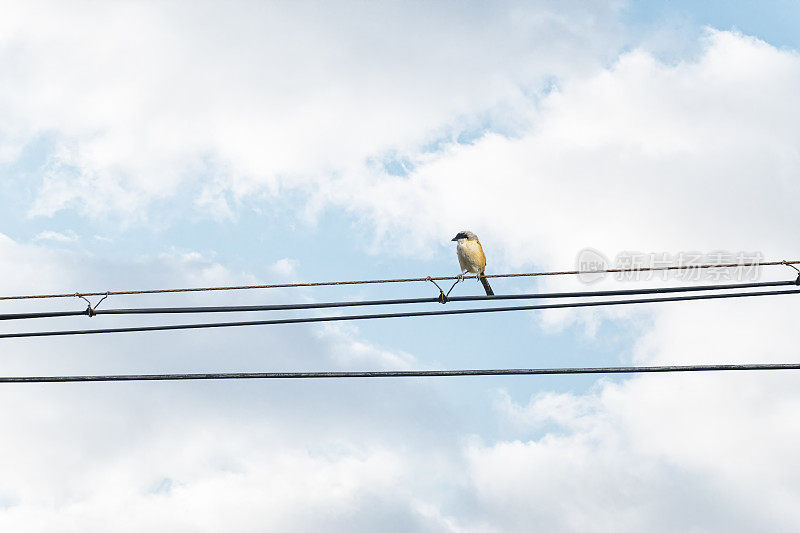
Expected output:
(397, 280)
(392, 315)
(405, 373)
(325, 305)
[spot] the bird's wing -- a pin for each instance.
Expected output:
(481, 257)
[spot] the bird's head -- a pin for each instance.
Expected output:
(465, 235)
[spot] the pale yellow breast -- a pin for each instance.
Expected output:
(471, 257)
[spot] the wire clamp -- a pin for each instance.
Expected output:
(442, 295)
(92, 311)
(787, 263)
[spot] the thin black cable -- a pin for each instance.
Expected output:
(401, 280)
(45, 314)
(391, 315)
(404, 373)
(324, 305)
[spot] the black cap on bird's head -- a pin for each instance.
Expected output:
(466, 234)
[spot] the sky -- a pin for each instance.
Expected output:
(186, 144)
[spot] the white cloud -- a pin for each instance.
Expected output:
(644, 156)
(285, 267)
(249, 96)
(49, 235)
(350, 352)
(716, 446)
(216, 485)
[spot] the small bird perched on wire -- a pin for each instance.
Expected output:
(471, 257)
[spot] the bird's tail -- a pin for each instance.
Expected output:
(485, 283)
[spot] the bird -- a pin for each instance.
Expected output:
(471, 257)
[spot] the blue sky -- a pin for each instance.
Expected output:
(774, 22)
(262, 142)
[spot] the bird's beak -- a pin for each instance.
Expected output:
(454, 238)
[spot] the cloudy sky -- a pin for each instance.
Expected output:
(165, 144)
